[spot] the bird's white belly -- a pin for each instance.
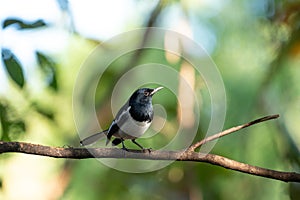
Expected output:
(133, 129)
(130, 128)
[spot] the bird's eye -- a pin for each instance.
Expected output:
(146, 93)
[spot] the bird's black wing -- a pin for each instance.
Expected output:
(117, 123)
(114, 128)
(125, 108)
(120, 119)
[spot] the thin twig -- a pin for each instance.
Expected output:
(82, 153)
(229, 131)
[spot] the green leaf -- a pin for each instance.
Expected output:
(13, 67)
(17, 127)
(43, 110)
(20, 24)
(11, 124)
(4, 123)
(48, 67)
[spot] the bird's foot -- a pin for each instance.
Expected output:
(147, 150)
(125, 149)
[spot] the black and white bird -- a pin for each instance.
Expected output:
(132, 120)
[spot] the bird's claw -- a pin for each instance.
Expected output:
(147, 150)
(125, 149)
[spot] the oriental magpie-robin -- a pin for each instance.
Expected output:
(132, 120)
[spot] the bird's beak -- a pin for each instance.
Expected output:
(156, 90)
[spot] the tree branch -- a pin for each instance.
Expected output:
(187, 155)
(82, 153)
(231, 130)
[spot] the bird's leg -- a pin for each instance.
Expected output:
(149, 150)
(123, 145)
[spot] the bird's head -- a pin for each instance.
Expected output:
(143, 95)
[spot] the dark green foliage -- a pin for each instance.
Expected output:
(21, 24)
(44, 111)
(9, 122)
(4, 123)
(48, 67)
(13, 67)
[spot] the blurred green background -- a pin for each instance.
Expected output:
(255, 44)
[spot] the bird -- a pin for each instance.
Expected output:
(131, 122)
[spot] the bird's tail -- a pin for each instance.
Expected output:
(93, 138)
(107, 140)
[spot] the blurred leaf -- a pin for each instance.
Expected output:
(294, 190)
(4, 122)
(17, 126)
(48, 66)
(46, 112)
(13, 67)
(10, 122)
(20, 24)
